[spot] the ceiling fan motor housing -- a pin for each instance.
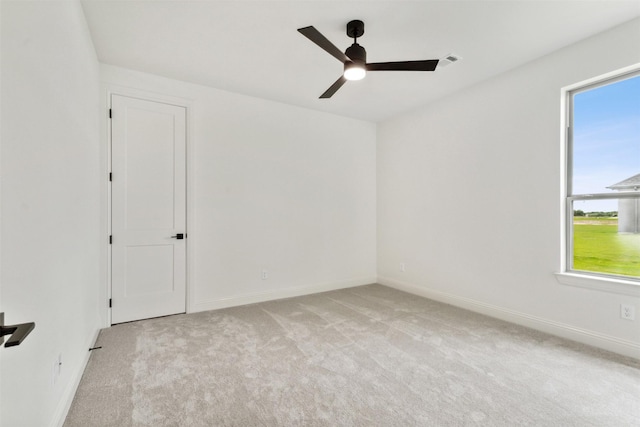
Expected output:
(357, 54)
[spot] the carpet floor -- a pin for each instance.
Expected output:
(364, 356)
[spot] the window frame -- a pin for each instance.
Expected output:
(594, 280)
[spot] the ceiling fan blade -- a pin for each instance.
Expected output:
(426, 65)
(334, 88)
(315, 36)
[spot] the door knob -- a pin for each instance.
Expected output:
(18, 332)
(178, 236)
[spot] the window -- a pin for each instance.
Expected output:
(603, 178)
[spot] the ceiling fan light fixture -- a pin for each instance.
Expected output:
(354, 71)
(355, 57)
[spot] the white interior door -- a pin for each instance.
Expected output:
(148, 265)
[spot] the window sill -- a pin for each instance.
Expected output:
(607, 284)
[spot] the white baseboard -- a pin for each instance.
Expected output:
(72, 386)
(214, 304)
(596, 339)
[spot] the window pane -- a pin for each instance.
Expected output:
(606, 236)
(606, 136)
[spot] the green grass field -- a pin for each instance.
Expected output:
(598, 247)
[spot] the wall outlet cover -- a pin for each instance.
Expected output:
(627, 312)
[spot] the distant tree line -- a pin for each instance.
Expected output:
(579, 212)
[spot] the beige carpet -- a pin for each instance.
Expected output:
(366, 356)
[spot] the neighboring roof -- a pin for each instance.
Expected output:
(633, 182)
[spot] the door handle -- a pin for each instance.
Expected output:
(18, 332)
(178, 236)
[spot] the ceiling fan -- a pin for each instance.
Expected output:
(355, 57)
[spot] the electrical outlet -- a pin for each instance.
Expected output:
(627, 312)
(402, 267)
(265, 274)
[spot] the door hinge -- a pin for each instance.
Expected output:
(111, 239)
(110, 176)
(110, 302)
(110, 114)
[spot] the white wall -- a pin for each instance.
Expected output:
(469, 197)
(272, 187)
(50, 204)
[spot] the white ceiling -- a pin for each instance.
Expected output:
(253, 48)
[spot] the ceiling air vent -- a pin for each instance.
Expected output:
(449, 59)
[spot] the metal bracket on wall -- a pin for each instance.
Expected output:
(18, 332)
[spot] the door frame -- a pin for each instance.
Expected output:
(107, 90)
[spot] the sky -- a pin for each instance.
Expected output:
(606, 139)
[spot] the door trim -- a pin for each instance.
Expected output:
(107, 90)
